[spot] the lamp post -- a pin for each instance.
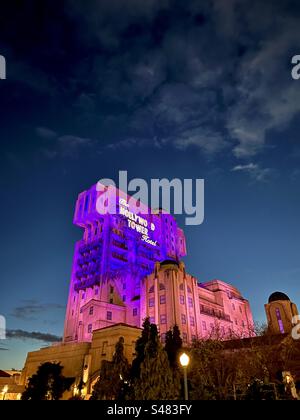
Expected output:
(184, 361)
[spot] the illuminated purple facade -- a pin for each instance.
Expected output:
(117, 251)
(128, 266)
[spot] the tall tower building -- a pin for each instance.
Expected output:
(119, 248)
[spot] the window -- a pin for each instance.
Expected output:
(74, 299)
(181, 299)
(163, 319)
(233, 306)
(183, 319)
(189, 289)
(111, 289)
(151, 290)
(151, 302)
(81, 310)
(162, 299)
(111, 300)
(204, 327)
(184, 337)
(162, 287)
(191, 302)
(72, 313)
(124, 286)
(192, 321)
(124, 298)
(109, 316)
(90, 328)
(279, 320)
(83, 296)
(104, 348)
(241, 310)
(134, 312)
(86, 204)
(96, 291)
(91, 310)
(152, 320)
(181, 287)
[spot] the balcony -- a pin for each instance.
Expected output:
(119, 257)
(120, 245)
(214, 313)
(90, 282)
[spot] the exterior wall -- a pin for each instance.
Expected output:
(280, 315)
(82, 360)
(71, 356)
(212, 310)
(103, 347)
(225, 304)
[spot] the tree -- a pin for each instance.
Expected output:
(114, 376)
(140, 349)
(156, 379)
(173, 346)
(47, 384)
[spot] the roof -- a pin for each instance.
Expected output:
(4, 374)
(278, 296)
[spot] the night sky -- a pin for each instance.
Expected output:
(175, 89)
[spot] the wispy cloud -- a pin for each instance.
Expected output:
(46, 133)
(31, 309)
(26, 335)
(3, 349)
(67, 145)
(255, 171)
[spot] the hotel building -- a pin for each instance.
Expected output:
(128, 267)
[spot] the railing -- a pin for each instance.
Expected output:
(214, 313)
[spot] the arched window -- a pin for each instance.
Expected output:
(189, 289)
(151, 290)
(161, 287)
(181, 287)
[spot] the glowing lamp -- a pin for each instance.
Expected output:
(184, 360)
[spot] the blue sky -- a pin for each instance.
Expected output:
(160, 89)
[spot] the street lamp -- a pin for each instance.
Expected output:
(4, 392)
(184, 361)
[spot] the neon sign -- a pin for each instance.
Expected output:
(137, 223)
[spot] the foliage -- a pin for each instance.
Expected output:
(156, 381)
(114, 376)
(47, 384)
(173, 346)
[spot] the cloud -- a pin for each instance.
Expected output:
(208, 74)
(69, 145)
(25, 335)
(255, 171)
(31, 309)
(3, 349)
(65, 146)
(46, 133)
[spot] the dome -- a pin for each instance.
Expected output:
(169, 262)
(278, 296)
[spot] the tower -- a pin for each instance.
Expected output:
(122, 241)
(280, 313)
